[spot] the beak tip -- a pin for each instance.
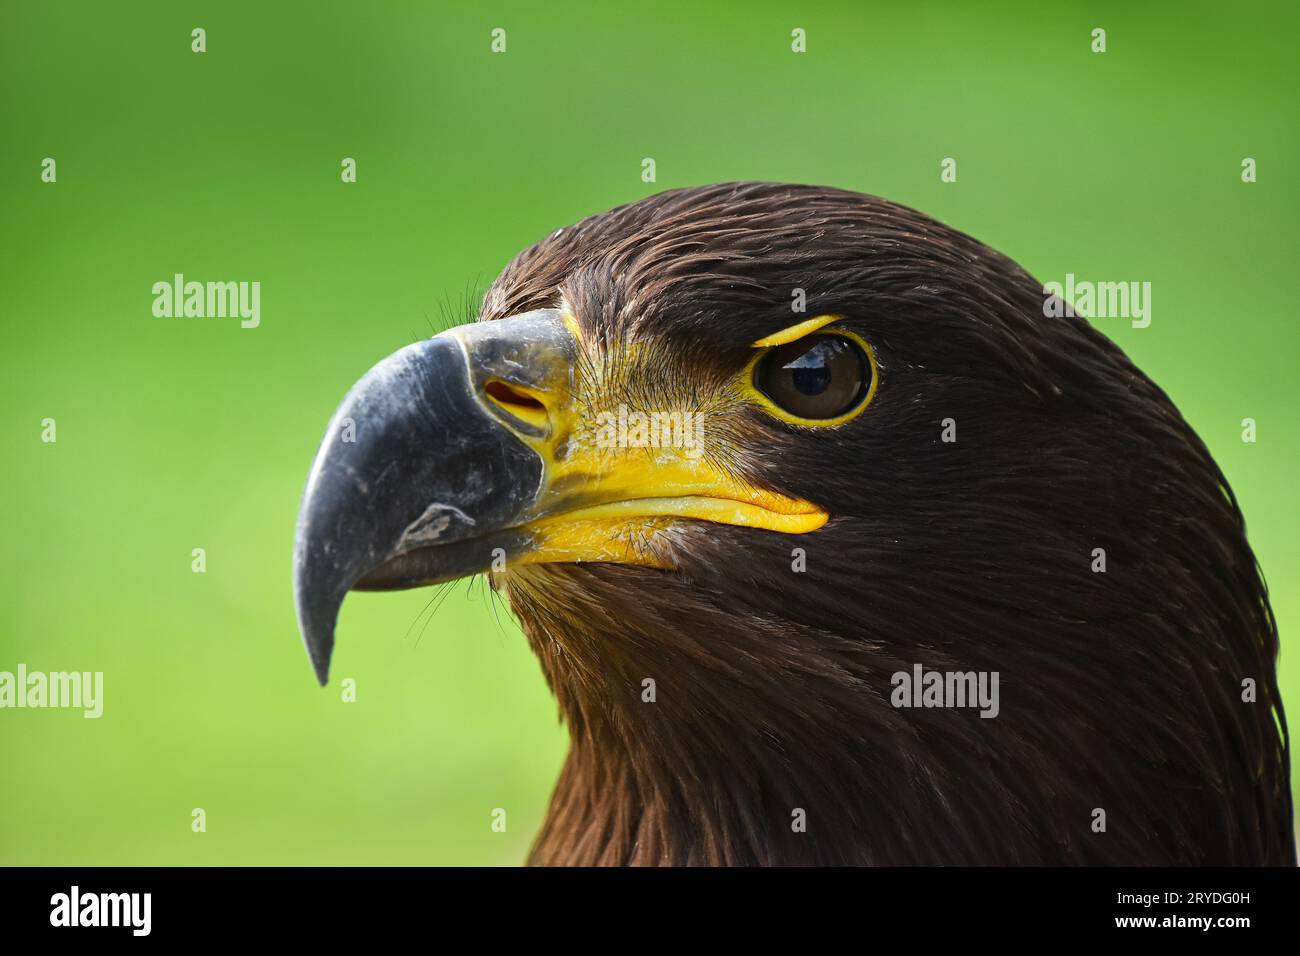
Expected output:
(317, 616)
(320, 646)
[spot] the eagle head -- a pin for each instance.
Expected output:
(751, 460)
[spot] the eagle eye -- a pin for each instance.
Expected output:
(818, 378)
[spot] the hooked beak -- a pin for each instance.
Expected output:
(463, 452)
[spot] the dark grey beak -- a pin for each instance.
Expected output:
(420, 477)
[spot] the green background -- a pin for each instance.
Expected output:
(182, 433)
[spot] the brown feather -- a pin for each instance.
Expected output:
(1120, 691)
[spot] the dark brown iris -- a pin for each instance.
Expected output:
(820, 377)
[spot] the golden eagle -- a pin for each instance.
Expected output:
(745, 459)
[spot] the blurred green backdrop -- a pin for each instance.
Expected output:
(175, 434)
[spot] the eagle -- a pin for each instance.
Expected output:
(744, 460)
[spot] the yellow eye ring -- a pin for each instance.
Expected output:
(816, 329)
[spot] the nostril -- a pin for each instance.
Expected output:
(505, 394)
(518, 403)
